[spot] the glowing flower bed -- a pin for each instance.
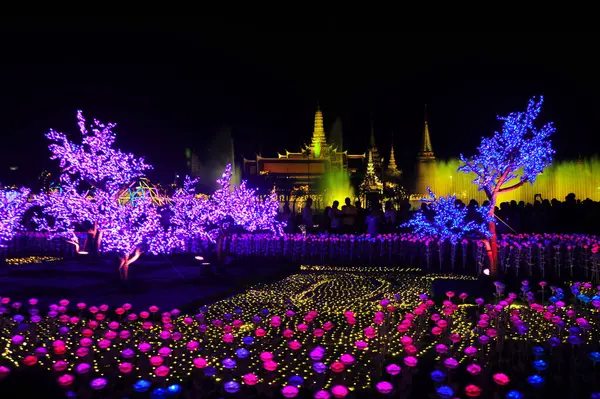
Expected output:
(320, 334)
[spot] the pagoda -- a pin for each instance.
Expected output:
(392, 169)
(371, 183)
(426, 152)
(305, 168)
(425, 168)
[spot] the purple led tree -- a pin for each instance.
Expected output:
(444, 218)
(126, 228)
(242, 206)
(93, 177)
(239, 206)
(63, 210)
(13, 205)
(186, 218)
(94, 161)
(509, 159)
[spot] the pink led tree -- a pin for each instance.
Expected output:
(13, 205)
(93, 177)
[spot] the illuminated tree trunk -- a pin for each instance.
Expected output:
(492, 249)
(75, 241)
(126, 261)
(219, 246)
(98, 241)
(492, 243)
(96, 235)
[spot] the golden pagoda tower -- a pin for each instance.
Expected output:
(370, 165)
(318, 138)
(426, 152)
(392, 169)
(425, 171)
(371, 182)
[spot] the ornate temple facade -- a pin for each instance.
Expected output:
(291, 170)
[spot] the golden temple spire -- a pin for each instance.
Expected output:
(370, 166)
(426, 140)
(426, 151)
(371, 182)
(392, 167)
(319, 131)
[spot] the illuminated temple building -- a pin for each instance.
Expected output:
(294, 170)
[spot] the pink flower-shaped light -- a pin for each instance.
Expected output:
(339, 391)
(393, 369)
(250, 379)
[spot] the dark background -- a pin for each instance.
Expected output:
(170, 85)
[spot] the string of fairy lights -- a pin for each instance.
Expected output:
(31, 260)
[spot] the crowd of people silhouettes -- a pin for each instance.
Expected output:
(551, 216)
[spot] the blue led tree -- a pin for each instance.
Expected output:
(508, 159)
(445, 218)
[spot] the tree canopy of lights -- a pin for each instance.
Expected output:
(186, 218)
(445, 218)
(13, 205)
(127, 228)
(239, 206)
(63, 210)
(93, 177)
(510, 158)
(94, 161)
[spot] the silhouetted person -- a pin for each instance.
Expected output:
(335, 215)
(375, 220)
(360, 217)
(307, 215)
(391, 216)
(325, 222)
(349, 215)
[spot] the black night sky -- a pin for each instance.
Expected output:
(170, 87)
